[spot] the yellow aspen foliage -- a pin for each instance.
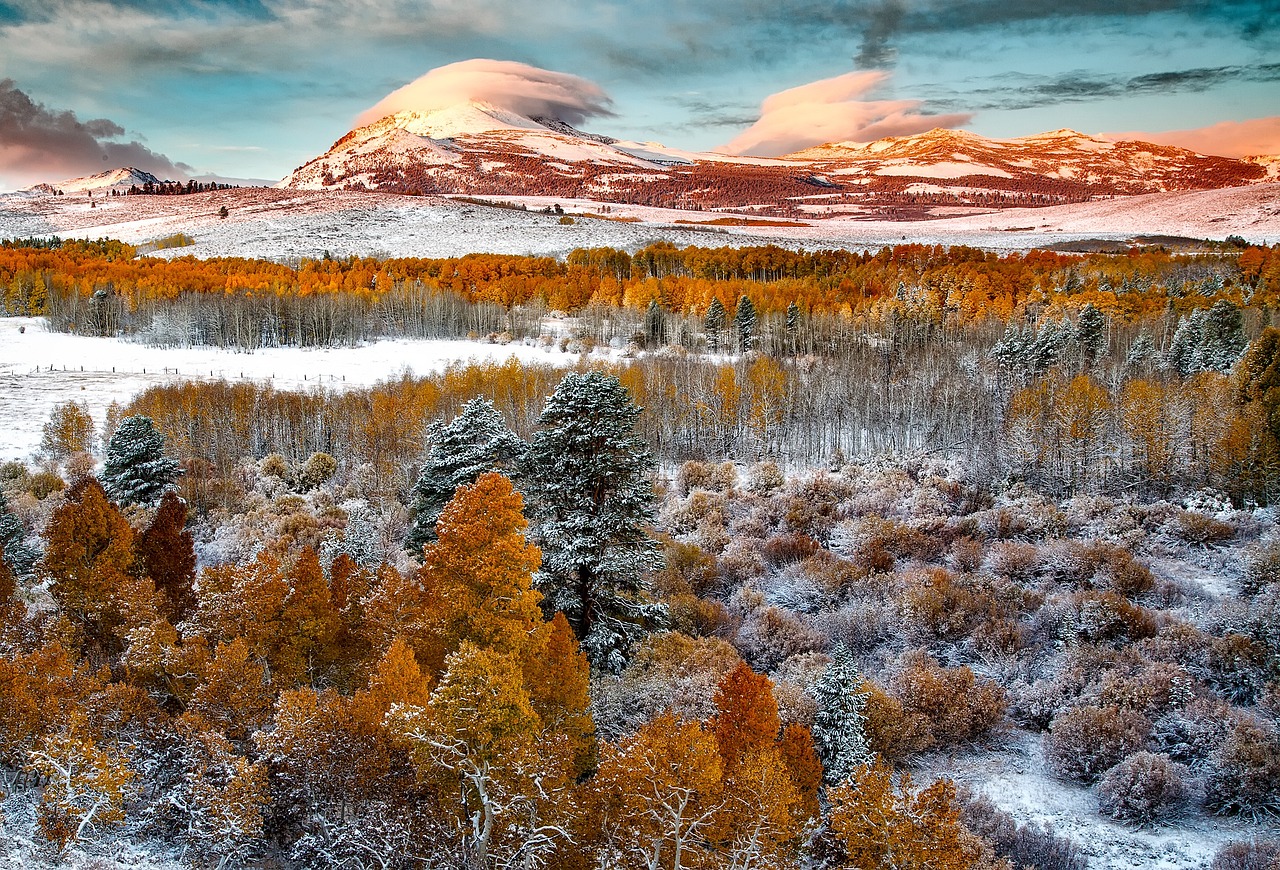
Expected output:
(85, 785)
(234, 697)
(659, 792)
(88, 556)
(558, 678)
(879, 825)
(404, 607)
(746, 718)
(309, 621)
(483, 569)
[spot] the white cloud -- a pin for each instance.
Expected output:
(518, 87)
(830, 110)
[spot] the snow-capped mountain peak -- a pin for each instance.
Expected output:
(113, 179)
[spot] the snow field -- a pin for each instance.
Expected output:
(40, 370)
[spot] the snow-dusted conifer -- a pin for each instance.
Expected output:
(17, 554)
(474, 442)
(1091, 328)
(839, 726)
(136, 470)
(745, 321)
(714, 324)
(1186, 342)
(1222, 340)
(589, 494)
(1142, 352)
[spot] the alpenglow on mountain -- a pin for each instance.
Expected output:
(476, 148)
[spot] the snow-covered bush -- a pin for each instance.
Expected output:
(1085, 742)
(1145, 788)
(1253, 855)
(955, 705)
(1244, 776)
(1029, 845)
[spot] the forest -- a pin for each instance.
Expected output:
(745, 591)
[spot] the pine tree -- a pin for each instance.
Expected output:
(793, 326)
(1091, 328)
(839, 726)
(13, 548)
(165, 552)
(1187, 339)
(136, 470)
(745, 322)
(655, 325)
(1222, 341)
(1141, 352)
(589, 492)
(474, 442)
(714, 324)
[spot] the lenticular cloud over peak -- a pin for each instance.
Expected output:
(517, 87)
(831, 110)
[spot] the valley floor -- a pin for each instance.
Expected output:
(284, 224)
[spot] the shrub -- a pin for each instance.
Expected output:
(770, 635)
(1245, 772)
(1029, 845)
(1085, 742)
(1255, 855)
(1200, 529)
(955, 705)
(318, 468)
(764, 478)
(1144, 788)
(43, 484)
(1014, 560)
(1262, 568)
(1104, 616)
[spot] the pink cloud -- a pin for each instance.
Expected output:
(1228, 139)
(830, 110)
(517, 87)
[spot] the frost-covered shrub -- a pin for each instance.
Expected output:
(1254, 855)
(1103, 616)
(1244, 777)
(1144, 789)
(275, 465)
(1262, 567)
(1200, 529)
(1013, 560)
(788, 548)
(769, 635)
(968, 553)
(1085, 742)
(1030, 845)
(891, 731)
(956, 706)
(1237, 667)
(876, 543)
(764, 478)
(318, 468)
(813, 506)
(1152, 691)
(1190, 735)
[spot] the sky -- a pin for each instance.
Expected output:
(255, 88)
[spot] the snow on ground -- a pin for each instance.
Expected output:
(1016, 779)
(99, 371)
(284, 224)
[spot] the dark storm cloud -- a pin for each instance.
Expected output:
(1029, 91)
(42, 144)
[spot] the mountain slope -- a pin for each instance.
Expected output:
(114, 179)
(482, 150)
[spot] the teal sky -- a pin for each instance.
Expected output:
(253, 88)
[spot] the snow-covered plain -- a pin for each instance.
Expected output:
(40, 370)
(283, 224)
